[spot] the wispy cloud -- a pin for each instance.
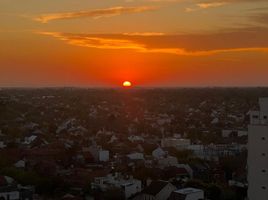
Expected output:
(93, 41)
(144, 34)
(155, 44)
(210, 5)
(156, 0)
(205, 5)
(98, 13)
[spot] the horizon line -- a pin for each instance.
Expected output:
(132, 88)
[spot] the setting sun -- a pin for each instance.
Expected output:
(127, 84)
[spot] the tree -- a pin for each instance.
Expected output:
(113, 193)
(214, 192)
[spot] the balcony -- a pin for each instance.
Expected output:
(258, 118)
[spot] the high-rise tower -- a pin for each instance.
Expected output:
(258, 153)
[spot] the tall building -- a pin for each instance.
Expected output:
(258, 153)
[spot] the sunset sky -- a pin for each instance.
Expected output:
(92, 43)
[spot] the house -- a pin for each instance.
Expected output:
(215, 120)
(113, 139)
(167, 161)
(2, 145)
(103, 155)
(30, 139)
(9, 190)
(241, 133)
(135, 138)
(197, 149)
(99, 154)
(178, 143)
(226, 133)
(136, 156)
(157, 190)
(65, 125)
(71, 197)
(31, 125)
(9, 193)
(20, 164)
(158, 153)
(187, 194)
(234, 133)
(128, 185)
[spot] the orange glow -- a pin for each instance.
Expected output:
(127, 84)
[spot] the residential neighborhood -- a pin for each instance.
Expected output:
(155, 144)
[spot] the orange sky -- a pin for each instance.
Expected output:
(148, 42)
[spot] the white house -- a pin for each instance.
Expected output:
(187, 194)
(98, 153)
(157, 190)
(129, 186)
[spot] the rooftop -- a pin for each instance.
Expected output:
(188, 190)
(155, 187)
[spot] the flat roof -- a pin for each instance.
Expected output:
(188, 190)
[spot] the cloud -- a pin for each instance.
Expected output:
(183, 45)
(231, 1)
(93, 41)
(258, 9)
(205, 5)
(120, 10)
(144, 34)
(210, 5)
(156, 0)
(201, 1)
(98, 13)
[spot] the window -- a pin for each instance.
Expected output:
(263, 138)
(263, 187)
(264, 117)
(263, 170)
(263, 154)
(255, 116)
